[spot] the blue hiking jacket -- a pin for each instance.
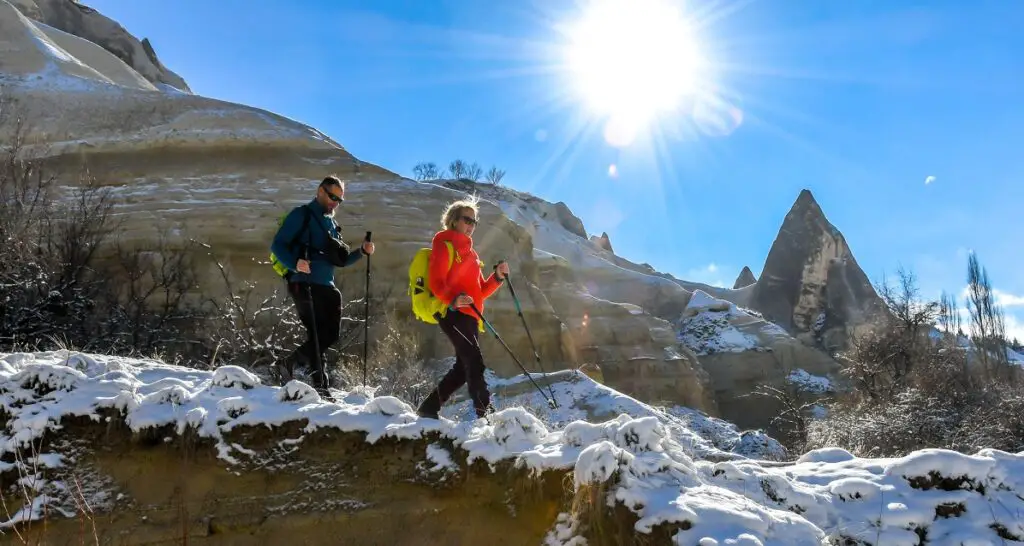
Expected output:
(315, 236)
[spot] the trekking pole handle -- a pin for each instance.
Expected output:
(495, 268)
(451, 306)
(369, 234)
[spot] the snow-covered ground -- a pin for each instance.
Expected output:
(940, 496)
(580, 398)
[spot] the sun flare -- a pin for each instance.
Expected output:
(633, 61)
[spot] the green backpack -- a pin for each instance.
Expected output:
(279, 268)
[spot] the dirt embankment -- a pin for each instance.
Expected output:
(329, 488)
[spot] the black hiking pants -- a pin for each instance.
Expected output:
(319, 305)
(461, 330)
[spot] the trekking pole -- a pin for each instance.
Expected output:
(551, 401)
(312, 318)
(366, 310)
(536, 355)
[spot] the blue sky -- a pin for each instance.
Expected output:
(860, 102)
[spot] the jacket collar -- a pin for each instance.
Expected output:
(315, 206)
(456, 237)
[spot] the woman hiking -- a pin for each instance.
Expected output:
(461, 287)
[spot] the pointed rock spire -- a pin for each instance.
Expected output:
(745, 279)
(810, 281)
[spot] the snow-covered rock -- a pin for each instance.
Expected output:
(636, 462)
(92, 27)
(740, 350)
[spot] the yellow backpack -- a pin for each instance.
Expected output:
(424, 303)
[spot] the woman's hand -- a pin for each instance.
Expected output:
(502, 270)
(463, 301)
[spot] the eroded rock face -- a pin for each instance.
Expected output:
(85, 22)
(745, 279)
(638, 354)
(569, 220)
(603, 242)
(741, 351)
(811, 284)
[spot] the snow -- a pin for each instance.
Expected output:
(641, 461)
(1015, 357)
(810, 383)
(580, 399)
(548, 235)
(710, 325)
(965, 343)
(706, 326)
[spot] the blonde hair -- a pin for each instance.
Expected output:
(451, 213)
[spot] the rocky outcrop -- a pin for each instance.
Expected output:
(811, 284)
(741, 351)
(603, 242)
(569, 221)
(745, 279)
(637, 354)
(82, 21)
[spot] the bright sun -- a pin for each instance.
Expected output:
(633, 60)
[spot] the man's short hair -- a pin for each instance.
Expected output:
(331, 180)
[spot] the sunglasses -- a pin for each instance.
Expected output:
(335, 198)
(469, 220)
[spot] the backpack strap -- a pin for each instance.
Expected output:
(451, 254)
(337, 228)
(305, 226)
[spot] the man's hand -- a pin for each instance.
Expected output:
(302, 266)
(367, 248)
(502, 270)
(462, 301)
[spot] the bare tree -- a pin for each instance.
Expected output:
(988, 328)
(458, 169)
(794, 414)
(474, 172)
(949, 314)
(495, 175)
(881, 361)
(426, 171)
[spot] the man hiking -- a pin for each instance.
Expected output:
(309, 245)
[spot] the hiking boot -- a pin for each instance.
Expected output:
(487, 411)
(325, 394)
(286, 367)
(285, 371)
(427, 415)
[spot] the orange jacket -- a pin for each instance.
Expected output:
(466, 275)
